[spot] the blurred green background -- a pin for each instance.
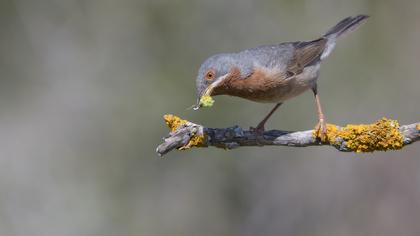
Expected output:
(84, 85)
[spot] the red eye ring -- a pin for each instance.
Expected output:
(210, 75)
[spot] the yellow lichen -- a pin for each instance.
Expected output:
(332, 133)
(382, 135)
(174, 122)
(206, 101)
(418, 126)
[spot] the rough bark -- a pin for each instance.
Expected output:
(234, 137)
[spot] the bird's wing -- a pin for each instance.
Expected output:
(305, 54)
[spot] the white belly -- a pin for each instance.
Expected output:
(296, 85)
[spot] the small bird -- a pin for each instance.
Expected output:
(273, 73)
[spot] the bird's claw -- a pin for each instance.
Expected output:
(321, 130)
(259, 133)
(258, 130)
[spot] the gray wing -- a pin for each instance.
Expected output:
(269, 56)
(305, 54)
(289, 58)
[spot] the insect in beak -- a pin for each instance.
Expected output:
(208, 91)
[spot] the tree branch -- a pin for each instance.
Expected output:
(382, 135)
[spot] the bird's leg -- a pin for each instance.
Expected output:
(321, 127)
(260, 127)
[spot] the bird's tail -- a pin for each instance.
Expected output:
(343, 27)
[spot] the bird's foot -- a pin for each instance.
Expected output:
(321, 130)
(259, 133)
(259, 130)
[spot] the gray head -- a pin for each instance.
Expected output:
(213, 71)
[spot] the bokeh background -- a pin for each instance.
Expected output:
(84, 85)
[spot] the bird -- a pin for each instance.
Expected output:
(273, 73)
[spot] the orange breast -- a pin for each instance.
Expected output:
(263, 85)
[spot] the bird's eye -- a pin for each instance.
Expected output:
(210, 75)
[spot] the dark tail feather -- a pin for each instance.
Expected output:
(342, 28)
(345, 26)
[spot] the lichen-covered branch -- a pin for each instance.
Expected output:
(382, 135)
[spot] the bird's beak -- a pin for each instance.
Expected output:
(208, 91)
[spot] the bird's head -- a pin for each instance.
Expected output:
(212, 73)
